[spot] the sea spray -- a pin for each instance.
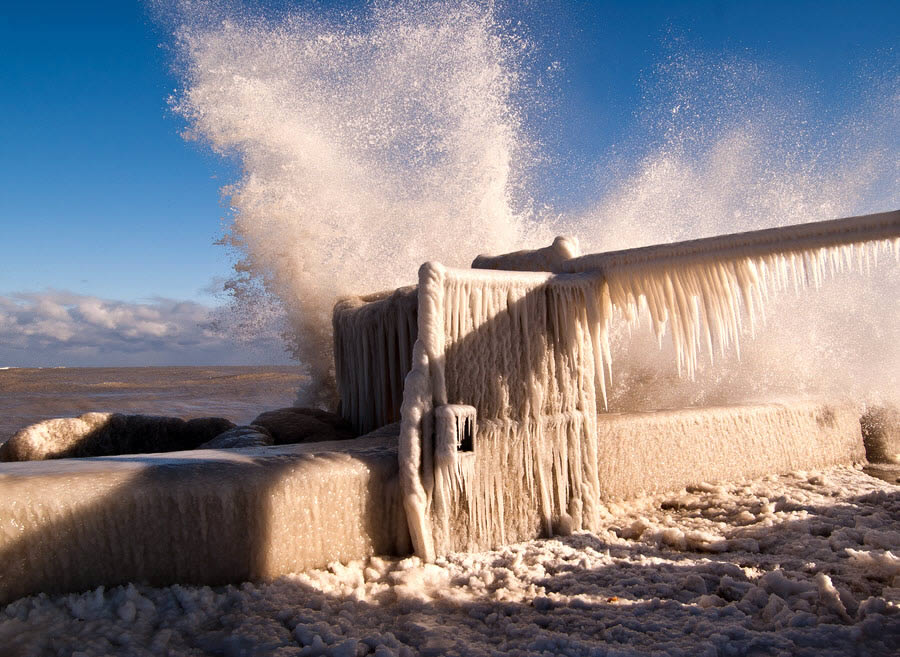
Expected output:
(724, 145)
(368, 144)
(374, 141)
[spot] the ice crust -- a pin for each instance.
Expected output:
(204, 516)
(786, 565)
(654, 452)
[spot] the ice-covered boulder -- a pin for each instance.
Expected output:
(304, 425)
(252, 435)
(107, 434)
(49, 438)
(881, 434)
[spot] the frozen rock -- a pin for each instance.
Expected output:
(51, 437)
(303, 425)
(107, 434)
(881, 433)
(244, 436)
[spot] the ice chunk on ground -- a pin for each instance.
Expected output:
(881, 433)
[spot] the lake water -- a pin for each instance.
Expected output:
(237, 393)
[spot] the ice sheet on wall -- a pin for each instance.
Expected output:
(373, 343)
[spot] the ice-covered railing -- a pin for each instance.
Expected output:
(373, 342)
(525, 349)
(701, 290)
(698, 289)
(808, 239)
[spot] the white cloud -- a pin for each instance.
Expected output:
(40, 329)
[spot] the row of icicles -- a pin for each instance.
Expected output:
(703, 300)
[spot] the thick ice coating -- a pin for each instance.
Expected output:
(550, 258)
(698, 289)
(373, 342)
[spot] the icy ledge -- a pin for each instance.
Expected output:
(203, 516)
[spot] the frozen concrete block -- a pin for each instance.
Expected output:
(642, 453)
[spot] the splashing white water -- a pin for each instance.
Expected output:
(373, 142)
(367, 147)
(734, 147)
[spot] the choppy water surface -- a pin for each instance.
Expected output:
(237, 393)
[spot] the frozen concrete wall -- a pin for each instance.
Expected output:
(644, 453)
(204, 516)
(373, 341)
(519, 349)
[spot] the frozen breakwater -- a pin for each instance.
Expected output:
(201, 517)
(496, 378)
(227, 516)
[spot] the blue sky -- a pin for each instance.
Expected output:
(102, 196)
(102, 199)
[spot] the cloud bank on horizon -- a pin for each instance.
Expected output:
(56, 327)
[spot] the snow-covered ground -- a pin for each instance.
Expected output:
(799, 564)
